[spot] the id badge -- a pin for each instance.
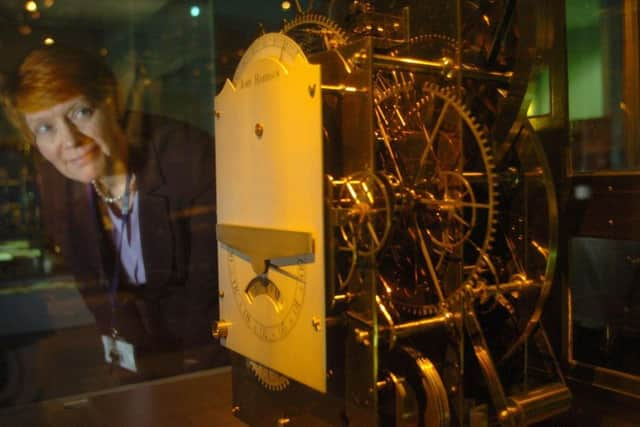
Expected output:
(120, 352)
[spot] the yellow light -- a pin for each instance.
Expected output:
(31, 6)
(286, 5)
(48, 41)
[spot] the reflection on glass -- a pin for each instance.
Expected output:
(541, 89)
(31, 6)
(602, 54)
(51, 319)
(605, 294)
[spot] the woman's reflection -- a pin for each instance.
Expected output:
(129, 198)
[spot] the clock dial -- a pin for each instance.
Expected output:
(269, 303)
(271, 45)
(269, 185)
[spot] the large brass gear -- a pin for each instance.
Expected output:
(496, 36)
(315, 33)
(440, 170)
(268, 378)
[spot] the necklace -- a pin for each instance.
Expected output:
(107, 198)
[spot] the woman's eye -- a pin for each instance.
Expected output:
(83, 113)
(42, 129)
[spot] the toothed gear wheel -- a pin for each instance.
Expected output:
(368, 218)
(438, 43)
(391, 93)
(434, 47)
(315, 33)
(399, 87)
(269, 379)
(445, 208)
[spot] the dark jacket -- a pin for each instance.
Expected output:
(173, 163)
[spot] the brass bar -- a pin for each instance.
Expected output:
(407, 329)
(342, 88)
(469, 175)
(541, 403)
(343, 297)
(421, 65)
(516, 285)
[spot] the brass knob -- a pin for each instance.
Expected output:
(220, 329)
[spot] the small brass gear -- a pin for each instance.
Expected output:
(271, 380)
(368, 220)
(315, 33)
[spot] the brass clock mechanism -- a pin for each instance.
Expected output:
(387, 219)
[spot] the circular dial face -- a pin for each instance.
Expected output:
(269, 303)
(270, 45)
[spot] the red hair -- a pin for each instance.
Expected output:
(50, 75)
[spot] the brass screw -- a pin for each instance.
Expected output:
(235, 410)
(259, 130)
(362, 337)
(359, 57)
(315, 322)
(283, 422)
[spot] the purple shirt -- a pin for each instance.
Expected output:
(131, 250)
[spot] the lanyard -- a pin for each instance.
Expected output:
(115, 279)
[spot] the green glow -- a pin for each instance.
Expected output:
(541, 89)
(585, 59)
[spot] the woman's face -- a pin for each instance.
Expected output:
(79, 139)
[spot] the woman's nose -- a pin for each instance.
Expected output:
(70, 136)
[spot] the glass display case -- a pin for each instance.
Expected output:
(162, 55)
(603, 64)
(347, 212)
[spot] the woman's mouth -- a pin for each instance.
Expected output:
(85, 156)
